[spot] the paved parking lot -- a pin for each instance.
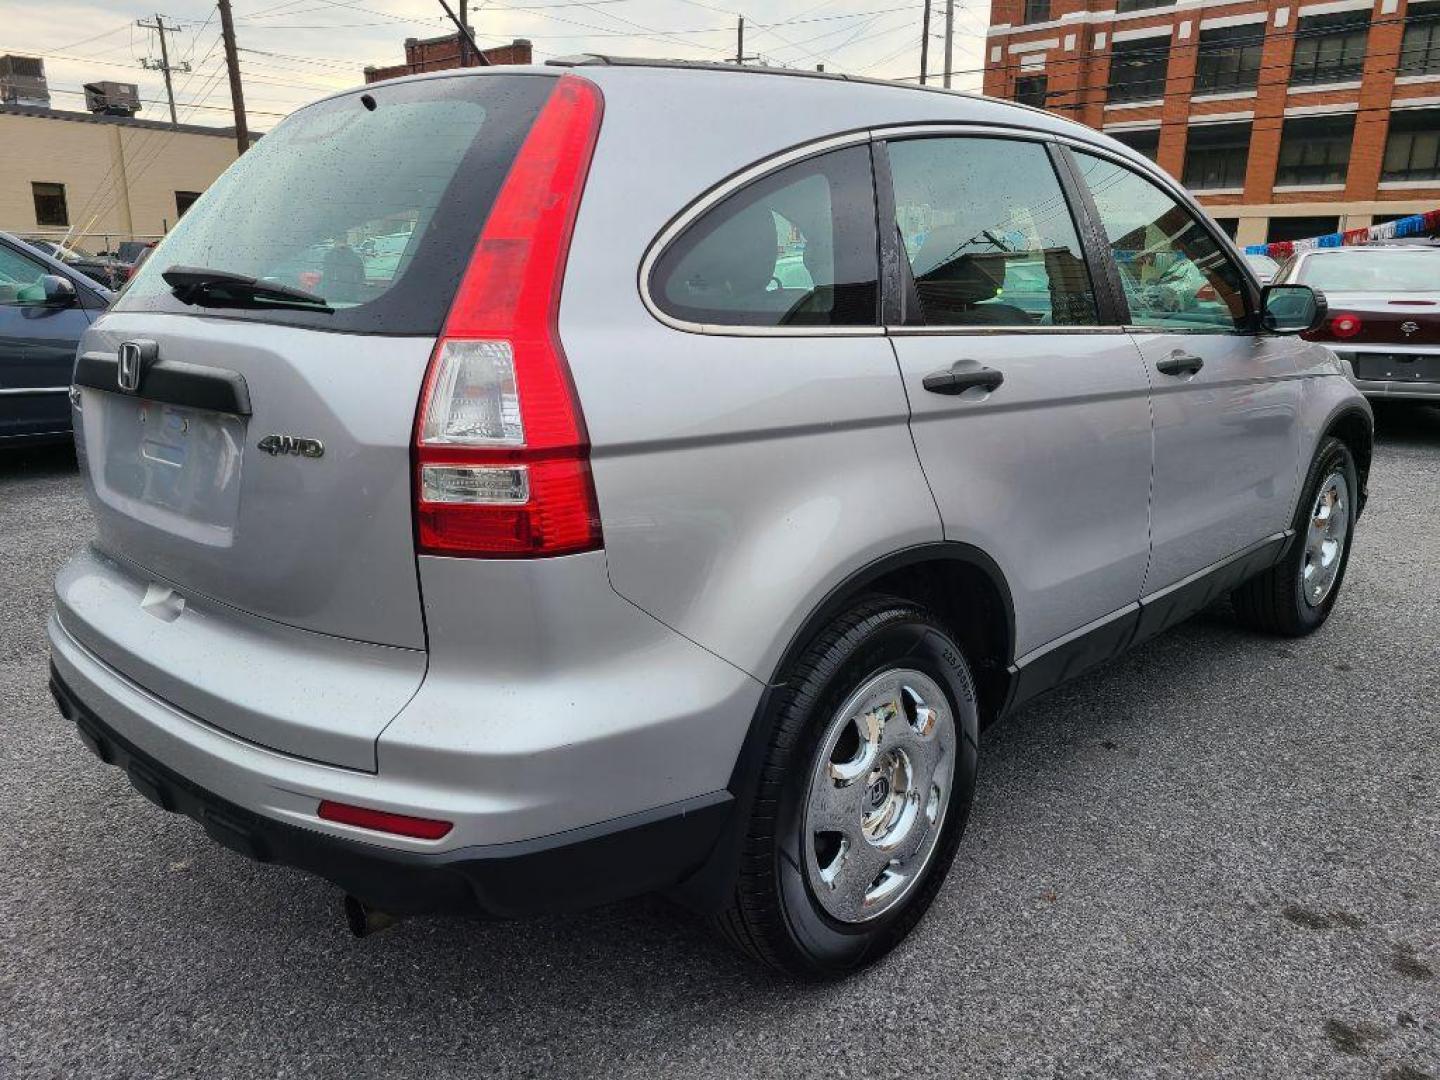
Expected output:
(1217, 857)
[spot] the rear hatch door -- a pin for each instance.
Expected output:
(259, 458)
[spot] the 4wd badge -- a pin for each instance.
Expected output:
(274, 445)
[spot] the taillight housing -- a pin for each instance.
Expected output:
(1344, 325)
(502, 459)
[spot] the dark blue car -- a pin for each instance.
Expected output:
(44, 308)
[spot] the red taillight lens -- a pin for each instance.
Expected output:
(1345, 325)
(502, 460)
(383, 821)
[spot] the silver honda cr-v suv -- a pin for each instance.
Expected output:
(524, 488)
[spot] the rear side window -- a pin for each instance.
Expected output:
(795, 248)
(373, 201)
(988, 234)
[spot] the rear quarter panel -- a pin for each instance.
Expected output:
(739, 478)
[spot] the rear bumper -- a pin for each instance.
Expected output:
(570, 871)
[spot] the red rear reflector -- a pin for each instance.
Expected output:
(381, 821)
(502, 459)
(1345, 325)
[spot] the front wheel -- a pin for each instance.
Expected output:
(1295, 596)
(864, 794)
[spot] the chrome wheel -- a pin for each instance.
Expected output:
(1325, 539)
(876, 803)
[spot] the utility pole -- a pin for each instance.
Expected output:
(949, 39)
(740, 41)
(465, 33)
(163, 64)
(925, 43)
(232, 64)
(464, 45)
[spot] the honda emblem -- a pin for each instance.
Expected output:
(133, 356)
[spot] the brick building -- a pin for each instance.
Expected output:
(442, 54)
(1286, 118)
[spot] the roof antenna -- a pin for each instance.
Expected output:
(466, 34)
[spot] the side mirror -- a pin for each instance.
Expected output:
(1291, 309)
(59, 291)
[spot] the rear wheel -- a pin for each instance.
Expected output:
(864, 793)
(1295, 596)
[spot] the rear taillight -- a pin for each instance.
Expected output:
(1345, 325)
(502, 460)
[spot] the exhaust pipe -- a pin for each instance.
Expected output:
(364, 920)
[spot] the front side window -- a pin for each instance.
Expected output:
(1420, 48)
(795, 248)
(1215, 156)
(1229, 58)
(50, 206)
(1174, 272)
(20, 279)
(1315, 150)
(1330, 48)
(988, 234)
(1137, 69)
(1412, 148)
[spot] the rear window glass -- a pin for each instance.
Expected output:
(375, 209)
(1373, 271)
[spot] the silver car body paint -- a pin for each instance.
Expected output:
(272, 635)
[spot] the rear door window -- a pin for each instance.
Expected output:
(371, 200)
(988, 234)
(793, 249)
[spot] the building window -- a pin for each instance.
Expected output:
(1420, 49)
(50, 204)
(1330, 48)
(1145, 142)
(1141, 5)
(1037, 11)
(1137, 69)
(1215, 156)
(184, 200)
(1229, 58)
(1228, 225)
(1030, 90)
(1412, 150)
(1299, 228)
(1315, 150)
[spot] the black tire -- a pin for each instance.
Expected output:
(772, 913)
(1274, 602)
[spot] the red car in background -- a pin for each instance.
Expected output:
(1384, 316)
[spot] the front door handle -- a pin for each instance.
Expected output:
(961, 376)
(1180, 363)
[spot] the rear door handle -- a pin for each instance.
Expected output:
(961, 376)
(1180, 363)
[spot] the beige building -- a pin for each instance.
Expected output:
(102, 178)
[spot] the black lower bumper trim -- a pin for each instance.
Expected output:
(567, 872)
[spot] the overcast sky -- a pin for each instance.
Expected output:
(296, 51)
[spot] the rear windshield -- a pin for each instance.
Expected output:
(372, 200)
(1373, 271)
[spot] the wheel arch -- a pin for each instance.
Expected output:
(1353, 425)
(960, 583)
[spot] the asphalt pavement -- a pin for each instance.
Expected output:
(1217, 857)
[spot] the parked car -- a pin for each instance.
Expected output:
(1264, 267)
(1384, 314)
(594, 552)
(101, 269)
(44, 308)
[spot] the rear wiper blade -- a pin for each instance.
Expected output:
(220, 288)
